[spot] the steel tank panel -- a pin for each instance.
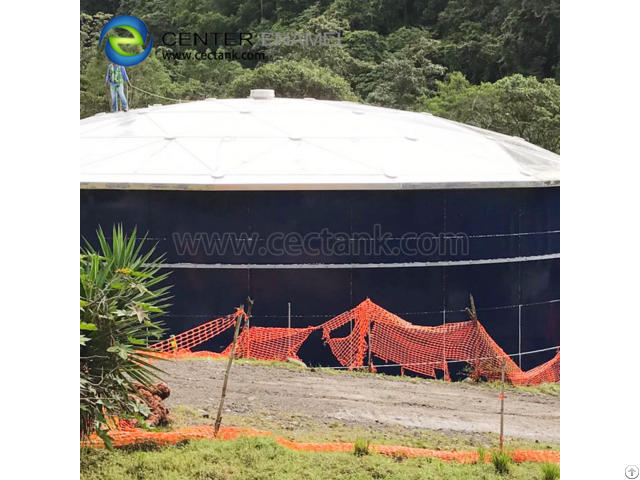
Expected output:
(517, 293)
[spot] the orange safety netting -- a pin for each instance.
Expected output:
(270, 343)
(349, 350)
(184, 342)
(419, 349)
(425, 349)
(133, 436)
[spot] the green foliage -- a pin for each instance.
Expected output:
(90, 28)
(366, 45)
(405, 76)
(550, 471)
(361, 447)
(93, 98)
(394, 54)
(519, 106)
(482, 453)
(485, 39)
(294, 79)
(263, 458)
(336, 59)
(120, 297)
(488, 39)
(196, 80)
(501, 462)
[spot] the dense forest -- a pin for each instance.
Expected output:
(490, 63)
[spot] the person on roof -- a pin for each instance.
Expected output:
(116, 77)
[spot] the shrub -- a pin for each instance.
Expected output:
(501, 461)
(361, 447)
(120, 295)
(550, 471)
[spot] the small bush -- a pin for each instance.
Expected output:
(550, 471)
(501, 461)
(361, 447)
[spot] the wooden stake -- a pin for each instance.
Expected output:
(226, 373)
(247, 324)
(289, 327)
(502, 408)
(473, 315)
(369, 337)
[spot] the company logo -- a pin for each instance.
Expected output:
(632, 472)
(113, 48)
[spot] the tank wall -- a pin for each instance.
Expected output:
(510, 266)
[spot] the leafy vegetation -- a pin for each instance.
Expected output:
(491, 63)
(519, 106)
(550, 471)
(294, 79)
(120, 296)
(263, 458)
(501, 462)
(361, 447)
(482, 453)
(542, 389)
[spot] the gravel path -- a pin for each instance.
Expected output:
(363, 400)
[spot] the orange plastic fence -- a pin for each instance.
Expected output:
(133, 436)
(425, 349)
(185, 341)
(270, 343)
(419, 349)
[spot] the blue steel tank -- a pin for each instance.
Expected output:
(310, 207)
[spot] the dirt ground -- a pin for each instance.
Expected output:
(363, 400)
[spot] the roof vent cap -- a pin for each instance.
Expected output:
(262, 94)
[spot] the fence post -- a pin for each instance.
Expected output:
(289, 328)
(502, 408)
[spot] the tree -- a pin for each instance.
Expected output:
(204, 79)
(516, 105)
(294, 79)
(335, 58)
(400, 79)
(95, 6)
(367, 46)
(488, 39)
(531, 38)
(90, 28)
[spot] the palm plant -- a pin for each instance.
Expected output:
(121, 295)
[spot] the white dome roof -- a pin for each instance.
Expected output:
(295, 144)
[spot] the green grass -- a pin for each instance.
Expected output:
(501, 462)
(482, 453)
(361, 447)
(550, 471)
(542, 389)
(264, 459)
